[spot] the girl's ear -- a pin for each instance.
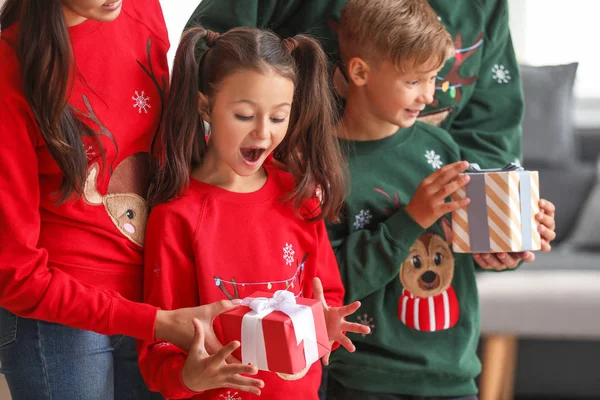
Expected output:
(203, 107)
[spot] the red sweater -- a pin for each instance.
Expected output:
(80, 263)
(201, 243)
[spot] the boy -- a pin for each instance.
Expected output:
(419, 298)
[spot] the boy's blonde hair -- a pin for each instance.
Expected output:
(406, 32)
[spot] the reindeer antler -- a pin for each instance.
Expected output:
(90, 189)
(91, 115)
(236, 294)
(161, 90)
(394, 200)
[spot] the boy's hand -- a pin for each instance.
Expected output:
(337, 326)
(429, 202)
(203, 372)
(547, 224)
(502, 261)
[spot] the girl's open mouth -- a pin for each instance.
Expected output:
(251, 154)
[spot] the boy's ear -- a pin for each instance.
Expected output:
(203, 107)
(358, 71)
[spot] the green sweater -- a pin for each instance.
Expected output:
(480, 86)
(395, 267)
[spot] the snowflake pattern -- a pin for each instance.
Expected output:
(433, 159)
(362, 219)
(141, 102)
(500, 74)
(90, 153)
(365, 320)
(230, 396)
(288, 254)
(162, 344)
(156, 270)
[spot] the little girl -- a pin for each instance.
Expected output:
(227, 220)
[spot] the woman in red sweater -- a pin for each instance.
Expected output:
(227, 221)
(82, 85)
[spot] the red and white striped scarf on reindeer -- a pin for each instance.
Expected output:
(429, 314)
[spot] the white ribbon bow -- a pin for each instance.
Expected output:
(253, 339)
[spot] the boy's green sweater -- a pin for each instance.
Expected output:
(382, 252)
(480, 86)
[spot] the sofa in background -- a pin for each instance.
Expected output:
(541, 324)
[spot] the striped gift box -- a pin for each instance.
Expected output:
(501, 215)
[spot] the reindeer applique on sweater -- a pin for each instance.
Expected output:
(428, 301)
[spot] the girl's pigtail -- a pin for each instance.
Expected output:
(182, 135)
(310, 150)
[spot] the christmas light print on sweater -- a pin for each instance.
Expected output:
(234, 289)
(434, 159)
(453, 82)
(362, 219)
(428, 301)
(500, 74)
(141, 102)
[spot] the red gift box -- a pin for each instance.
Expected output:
(277, 332)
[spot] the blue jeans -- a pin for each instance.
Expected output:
(45, 361)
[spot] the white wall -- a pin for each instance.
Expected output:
(558, 32)
(177, 13)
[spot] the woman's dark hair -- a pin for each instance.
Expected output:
(45, 55)
(309, 150)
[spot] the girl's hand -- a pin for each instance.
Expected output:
(429, 201)
(203, 372)
(547, 224)
(337, 326)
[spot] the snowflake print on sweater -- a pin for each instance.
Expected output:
(141, 102)
(365, 319)
(288, 254)
(362, 219)
(433, 159)
(230, 396)
(500, 74)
